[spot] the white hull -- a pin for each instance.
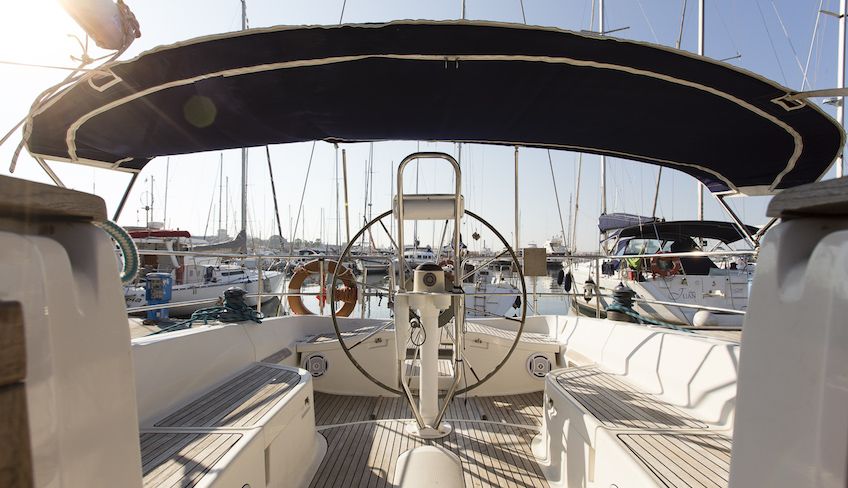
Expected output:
(490, 305)
(373, 266)
(728, 291)
(134, 296)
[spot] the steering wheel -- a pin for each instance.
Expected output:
(346, 254)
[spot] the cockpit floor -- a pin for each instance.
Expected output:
(491, 436)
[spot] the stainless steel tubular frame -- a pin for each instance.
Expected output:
(457, 299)
(457, 211)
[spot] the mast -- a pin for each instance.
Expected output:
(603, 158)
(701, 53)
(220, 192)
(244, 150)
(415, 223)
(556, 194)
(167, 172)
(565, 243)
(149, 208)
(274, 195)
(840, 82)
(336, 178)
(517, 236)
(656, 193)
(576, 204)
(346, 203)
(392, 198)
(227, 203)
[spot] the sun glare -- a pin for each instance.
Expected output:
(37, 31)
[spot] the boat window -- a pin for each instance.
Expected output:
(642, 246)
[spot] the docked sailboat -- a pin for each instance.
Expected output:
(550, 400)
(196, 278)
(669, 267)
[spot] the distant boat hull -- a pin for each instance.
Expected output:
(728, 291)
(272, 280)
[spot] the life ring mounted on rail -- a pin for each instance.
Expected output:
(346, 294)
(665, 267)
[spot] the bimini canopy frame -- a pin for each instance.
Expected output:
(725, 232)
(461, 81)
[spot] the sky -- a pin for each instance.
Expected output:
(773, 38)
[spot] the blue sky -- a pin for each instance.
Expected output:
(773, 37)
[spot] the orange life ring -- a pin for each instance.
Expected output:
(347, 293)
(665, 267)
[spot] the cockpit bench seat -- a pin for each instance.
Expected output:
(683, 460)
(535, 340)
(171, 458)
(242, 401)
(235, 434)
(629, 434)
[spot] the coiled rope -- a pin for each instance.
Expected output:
(127, 247)
(234, 309)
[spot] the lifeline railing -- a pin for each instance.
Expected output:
(595, 258)
(260, 258)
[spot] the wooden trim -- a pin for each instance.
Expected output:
(12, 344)
(28, 200)
(618, 405)
(683, 460)
(15, 449)
(821, 199)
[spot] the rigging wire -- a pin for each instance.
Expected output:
(556, 194)
(341, 16)
(523, 16)
(648, 21)
(302, 194)
(819, 51)
(592, 16)
(791, 44)
(771, 42)
(50, 66)
(682, 20)
(211, 205)
(812, 43)
(131, 32)
(727, 30)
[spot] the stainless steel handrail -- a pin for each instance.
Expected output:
(163, 252)
(695, 254)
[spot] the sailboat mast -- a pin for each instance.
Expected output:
(576, 204)
(227, 204)
(603, 158)
(149, 215)
(244, 150)
(165, 210)
(336, 180)
(415, 223)
(220, 191)
(840, 83)
(556, 195)
(517, 235)
(701, 53)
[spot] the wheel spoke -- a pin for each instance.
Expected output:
(394, 244)
(484, 265)
(369, 285)
(369, 335)
(442, 242)
(490, 314)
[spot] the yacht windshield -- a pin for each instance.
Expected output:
(638, 246)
